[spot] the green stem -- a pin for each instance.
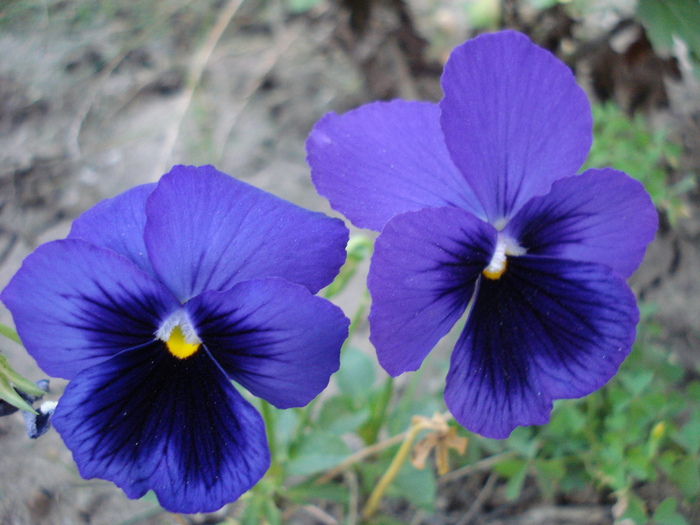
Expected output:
(370, 431)
(393, 470)
(269, 416)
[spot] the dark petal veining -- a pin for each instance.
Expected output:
(208, 231)
(76, 304)
(547, 329)
(421, 280)
(514, 120)
(149, 421)
(601, 216)
(118, 224)
(273, 337)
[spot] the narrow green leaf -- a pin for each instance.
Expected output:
(11, 396)
(19, 382)
(10, 333)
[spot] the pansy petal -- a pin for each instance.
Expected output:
(421, 279)
(147, 420)
(75, 304)
(208, 231)
(514, 120)
(547, 329)
(273, 337)
(383, 159)
(117, 224)
(600, 216)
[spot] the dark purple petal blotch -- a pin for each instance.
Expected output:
(156, 301)
(481, 211)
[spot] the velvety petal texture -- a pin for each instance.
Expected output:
(75, 304)
(208, 231)
(514, 120)
(422, 277)
(383, 159)
(279, 353)
(117, 224)
(599, 216)
(156, 301)
(535, 254)
(547, 329)
(149, 421)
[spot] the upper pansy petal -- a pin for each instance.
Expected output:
(147, 420)
(421, 279)
(75, 304)
(547, 329)
(273, 337)
(118, 224)
(383, 159)
(207, 231)
(600, 216)
(514, 120)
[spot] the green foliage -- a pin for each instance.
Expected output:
(665, 20)
(627, 144)
(641, 428)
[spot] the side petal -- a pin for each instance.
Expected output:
(117, 224)
(208, 231)
(514, 120)
(421, 279)
(383, 159)
(600, 216)
(146, 420)
(547, 329)
(273, 337)
(75, 304)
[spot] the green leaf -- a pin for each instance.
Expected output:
(308, 490)
(664, 19)
(338, 416)
(636, 382)
(254, 510)
(666, 514)
(515, 484)
(689, 435)
(19, 382)
(634, 509)
(416, 486)
(357, 373)
(686, 475)
(301, 6)
(10, 333)
(319, 451)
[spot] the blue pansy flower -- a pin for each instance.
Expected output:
(157, 299)
(480, 211)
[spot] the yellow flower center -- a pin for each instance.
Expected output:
(178, 346)
(497, 266)
(499, 261)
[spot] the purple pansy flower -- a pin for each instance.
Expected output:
(159, 298)
(480, 211)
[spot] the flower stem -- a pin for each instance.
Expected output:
(270, 418)
(393, 470)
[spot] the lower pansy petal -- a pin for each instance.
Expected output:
(601, 216)
(117, 224)
(383, 159)
(421, 279)
(207, 231)
(147, 420)
(546, 329)
(75, 304)
(273, 337)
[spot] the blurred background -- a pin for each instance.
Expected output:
(97, 96)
